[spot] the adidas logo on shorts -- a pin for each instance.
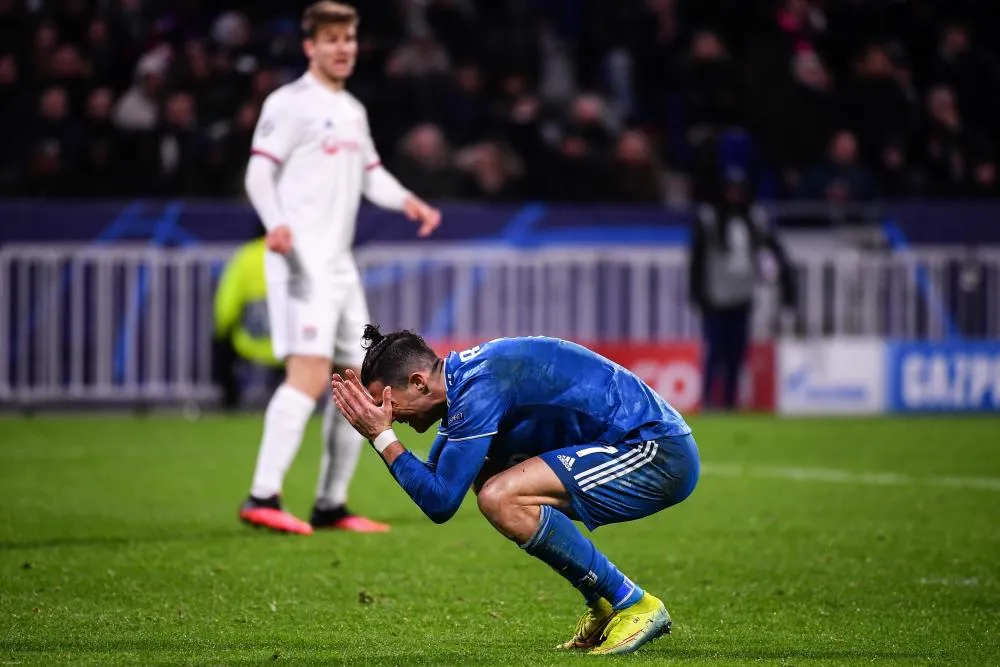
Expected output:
(567, 461)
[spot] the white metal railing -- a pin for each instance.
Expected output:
(133, 323)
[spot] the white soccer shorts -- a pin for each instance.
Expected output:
(325, 322)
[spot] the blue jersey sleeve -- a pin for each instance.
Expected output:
(438, 486)
(477, 409)
(474, 414)
(435, 453)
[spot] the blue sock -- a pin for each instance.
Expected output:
(559, 544)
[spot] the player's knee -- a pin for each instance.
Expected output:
(310, 375)
(495, 496)
(504, 507)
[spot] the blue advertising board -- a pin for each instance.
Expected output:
(944, 376)
(176, 222)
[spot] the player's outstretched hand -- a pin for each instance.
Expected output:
(358, 406)
(418, 210)
(279, 240)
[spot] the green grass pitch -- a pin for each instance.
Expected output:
(807, 542)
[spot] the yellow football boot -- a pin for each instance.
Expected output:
(633, 626)
(590, 626)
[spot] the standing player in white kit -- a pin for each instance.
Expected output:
(312, 159)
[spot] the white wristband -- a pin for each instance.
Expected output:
(384, 439)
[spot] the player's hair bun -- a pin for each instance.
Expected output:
(372, 336)
(390, 358)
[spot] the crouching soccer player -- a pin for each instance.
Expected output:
(545, 431)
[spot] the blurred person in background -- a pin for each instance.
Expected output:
(262, 83)
(15, 109)
(421, 69)
(984, 175)
(800, 118)
(424, 160)
(226, 87)
(590, 119)
(242, 328)
(897, 175)
(191, 71)
(658, 46)
(841, 177)
(635, 175)
(465, 113)
(312, 160)
(802, 22)
(713, 106)
(574, 171)
(492, 172)
(712, 94)
(105, 60)
(971, 73)
(232, 142)
(875, 106)
(613, 28)
(953, 152)
(101, 153)
(39, 56)
(53, 167)
(578, 150)
(138, 109)
(68, 71)
(174, 152)
(520, 113)
(728, 237)
(419, 58)
(519, 117)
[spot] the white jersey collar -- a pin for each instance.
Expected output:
(308, 77)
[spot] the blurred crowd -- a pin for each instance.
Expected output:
(624, 100)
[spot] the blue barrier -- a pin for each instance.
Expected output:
(530, 224)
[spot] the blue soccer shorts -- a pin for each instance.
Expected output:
(628, 481)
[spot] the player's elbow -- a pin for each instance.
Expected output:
(369, 194)
(443, 510)
(440, 515)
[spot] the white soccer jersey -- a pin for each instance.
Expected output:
(321, 141)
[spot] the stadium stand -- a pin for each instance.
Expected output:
(631, 101)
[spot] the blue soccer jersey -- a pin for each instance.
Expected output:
(535, 395)
(515, 398)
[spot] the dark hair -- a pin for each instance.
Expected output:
(327, 12)
(390, 358)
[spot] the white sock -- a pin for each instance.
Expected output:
(285, 420)
(341, 450)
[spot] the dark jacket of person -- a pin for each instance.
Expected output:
(726, 242)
